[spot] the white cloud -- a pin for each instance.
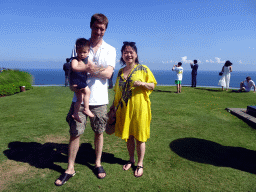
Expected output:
(207, 61)
(218, 60)
(184, 60)
(199, 61)
(211, 61)
(240, 62)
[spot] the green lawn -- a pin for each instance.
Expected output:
(195, 144)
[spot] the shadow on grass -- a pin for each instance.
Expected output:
(204, 151)
(45, 155)
(162, 91)
(209, 89)
(237, 91)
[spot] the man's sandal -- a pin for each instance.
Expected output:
(137, 169)
(128, 163)
(98, 170)
(64, 177)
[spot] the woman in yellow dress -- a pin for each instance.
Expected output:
(134, 84)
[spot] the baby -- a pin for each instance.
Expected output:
(78, 77)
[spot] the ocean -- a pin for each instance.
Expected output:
(55, 77)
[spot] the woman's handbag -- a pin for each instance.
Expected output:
(220, 73)
(110, 128)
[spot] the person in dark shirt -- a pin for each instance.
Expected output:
(66, 68)
(194, 68)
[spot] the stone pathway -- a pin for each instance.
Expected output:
(241, 113)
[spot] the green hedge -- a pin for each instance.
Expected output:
(12, 80)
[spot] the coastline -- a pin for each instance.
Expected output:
(165, 85)
(164, 78)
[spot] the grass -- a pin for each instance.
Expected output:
(195, 144)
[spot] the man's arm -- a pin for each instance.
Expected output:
(104, 74)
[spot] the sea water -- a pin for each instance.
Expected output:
(55, 77)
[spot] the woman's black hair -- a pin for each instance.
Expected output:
(228, 63)
(133, 46)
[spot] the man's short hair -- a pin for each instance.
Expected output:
(102, 19)
(249, 78)
(195, 61)
(179, 64)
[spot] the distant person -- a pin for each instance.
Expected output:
(225, 78)
(194, 68)
(66, 68)
(179, 72)
(78, 78)
(247, 85)
(134, 84)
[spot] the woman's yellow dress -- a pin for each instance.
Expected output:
(133, 116)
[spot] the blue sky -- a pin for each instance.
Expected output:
(41, 34)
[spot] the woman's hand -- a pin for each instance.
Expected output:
(138, 83)
(149, 86)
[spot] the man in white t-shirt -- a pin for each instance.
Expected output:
(179, 72)
(103, 55)
(247, 85)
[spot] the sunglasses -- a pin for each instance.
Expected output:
(129, 43)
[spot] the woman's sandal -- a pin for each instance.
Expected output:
(137, 169)
(128, 163)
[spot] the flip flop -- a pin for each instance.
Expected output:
(137, 169)
(98, 170)
(64, 177)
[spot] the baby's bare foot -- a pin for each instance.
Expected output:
(76, 117)
(88, 112)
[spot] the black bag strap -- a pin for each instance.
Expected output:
(126, 86)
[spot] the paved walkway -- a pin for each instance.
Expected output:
(241, 113)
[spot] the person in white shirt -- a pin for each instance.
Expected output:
(247, 85)
(179, 72)
(103, 55)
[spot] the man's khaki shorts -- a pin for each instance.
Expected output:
(98, 123)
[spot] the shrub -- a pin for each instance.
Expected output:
(12, 80)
